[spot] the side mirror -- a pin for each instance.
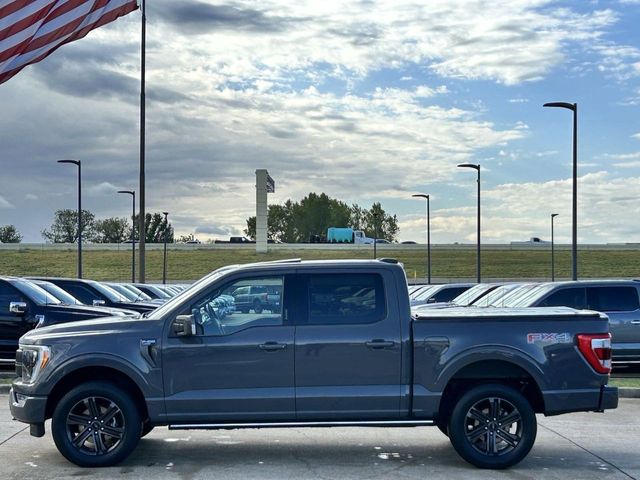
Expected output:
(98, 303)
(18, 308)
(184, 326)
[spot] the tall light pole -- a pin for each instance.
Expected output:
(133, 233)
(375, 235)
(553, 263)
(422, 195)
(574, 228)
(79, 165)
(476, 167)
(164, 258)
(142, 229)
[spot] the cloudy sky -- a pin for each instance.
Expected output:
(366, 101)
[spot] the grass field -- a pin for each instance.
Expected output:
(446, 264)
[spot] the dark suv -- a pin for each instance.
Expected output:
(619, 299)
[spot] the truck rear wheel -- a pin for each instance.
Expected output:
(96, 424)
(492, 426)
(257, 306)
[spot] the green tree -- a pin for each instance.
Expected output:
(314, 214)
(155, 227)
(64, 228)
(10, 234)
(111, 230)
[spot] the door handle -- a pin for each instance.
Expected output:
(376, 344)
(272, 346)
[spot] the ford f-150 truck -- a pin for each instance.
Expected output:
(343, 350)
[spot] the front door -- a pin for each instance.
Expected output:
(348, 347)
(239, 366)
(12, 325)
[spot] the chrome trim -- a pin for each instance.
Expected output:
(369, 423)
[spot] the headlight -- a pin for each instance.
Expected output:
(34, 359)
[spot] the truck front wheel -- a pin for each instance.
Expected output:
(492, 426)
(96, 424)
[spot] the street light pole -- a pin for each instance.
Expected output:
(133, 234)
(476, 167)
(375, 235)
(425, 196)
(164, 259)
(553, 265)
(574, 228)
(79, 165)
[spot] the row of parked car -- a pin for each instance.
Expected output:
(27, 303)
(618, 299)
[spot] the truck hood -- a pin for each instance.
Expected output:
(90, 310)
(84, 328)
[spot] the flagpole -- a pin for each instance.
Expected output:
(142, 214)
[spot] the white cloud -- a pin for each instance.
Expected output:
(636, 136)
(518, 100)
(4, 203)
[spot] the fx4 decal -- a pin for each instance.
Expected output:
(549, 338)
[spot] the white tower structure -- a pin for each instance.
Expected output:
(264, 185)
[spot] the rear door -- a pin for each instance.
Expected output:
(347, 346)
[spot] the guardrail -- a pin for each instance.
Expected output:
(314, 246)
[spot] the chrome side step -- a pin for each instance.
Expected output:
(370, 423)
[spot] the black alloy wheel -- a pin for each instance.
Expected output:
(96, 424)
(492, 426)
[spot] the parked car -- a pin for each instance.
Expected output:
(91, 292)
(153, 291)
(496, 298)
(132, 296)
(67, 299)
(24, 306)
(480, 375)
(440, 293)
(618, 299)
(466, 298)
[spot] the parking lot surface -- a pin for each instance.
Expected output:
(575, 446)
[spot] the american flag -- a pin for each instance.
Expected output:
(30, 30)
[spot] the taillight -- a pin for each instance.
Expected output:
(596, 349)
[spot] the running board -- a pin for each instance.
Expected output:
(372, 423)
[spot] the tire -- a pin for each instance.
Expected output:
(497, 445)
(257, 306)
(102, 405)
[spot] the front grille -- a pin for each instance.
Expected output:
(18, 363)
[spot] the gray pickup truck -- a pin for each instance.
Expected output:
(343, 350)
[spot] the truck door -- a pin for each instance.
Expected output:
(12, 325)
(347, 347)
(239, 365)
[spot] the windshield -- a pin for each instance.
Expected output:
(532, 295)
(109, 292)
(511, 298)
(158, 292)
(497, 296)
(190, 292)
(129, 295)
(467, 297)
(35, 293)
(140, 295)
(59, 293)
(426, 293)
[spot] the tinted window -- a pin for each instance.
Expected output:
(566, 297)
(82, 293)
(8, 294)
(345, 299)
(447, 294)
(58, 292)
(239, 305)
(35, 293)
(613, 299)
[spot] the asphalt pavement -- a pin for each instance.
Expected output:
(574, 446)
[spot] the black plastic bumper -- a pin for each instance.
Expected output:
(608, 398)
(28, 409)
